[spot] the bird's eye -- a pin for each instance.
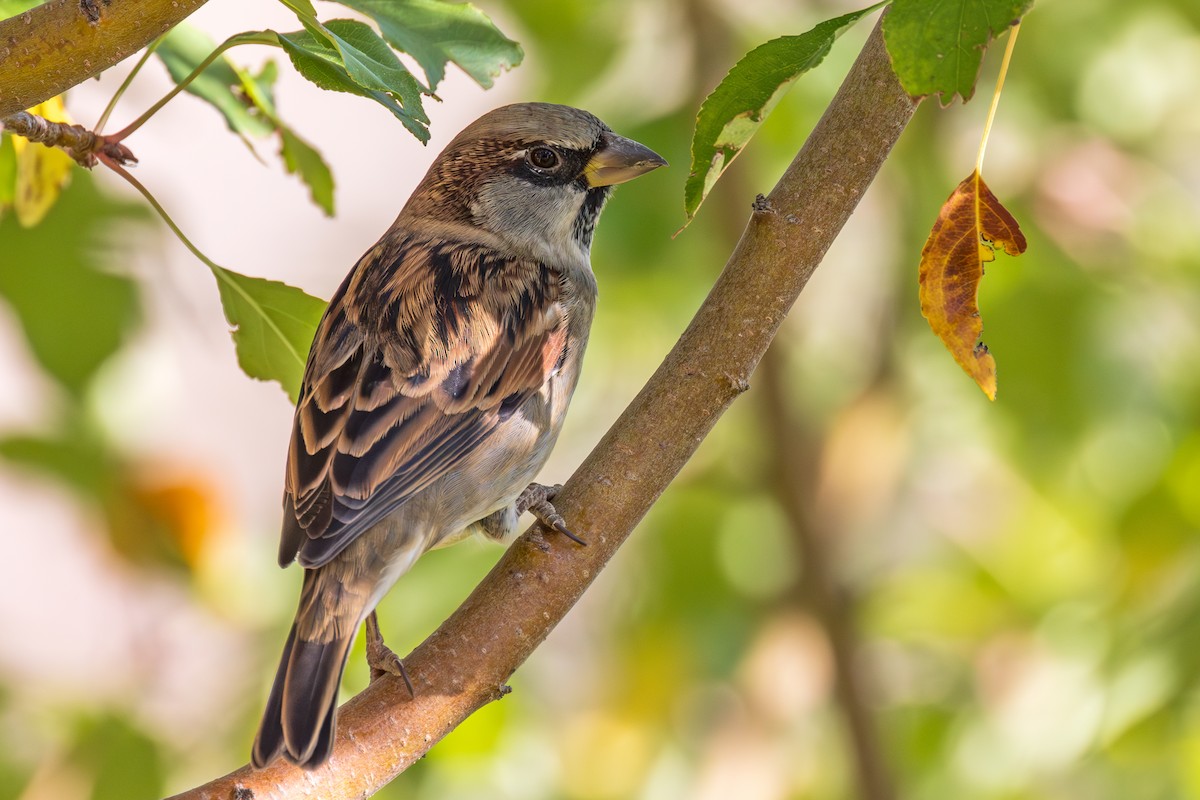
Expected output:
(543, 158)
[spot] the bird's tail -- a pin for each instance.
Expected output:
(300, 717)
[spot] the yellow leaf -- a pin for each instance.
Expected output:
(42, 171)
(971, 224)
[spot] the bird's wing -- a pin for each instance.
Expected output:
(424, 351)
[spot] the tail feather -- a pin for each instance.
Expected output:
(324, 746)
(300, 716)
(310, 699)
(268, 744)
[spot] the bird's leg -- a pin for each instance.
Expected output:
(536, 500)
(380, 657)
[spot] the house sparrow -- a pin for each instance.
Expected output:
(436, 386)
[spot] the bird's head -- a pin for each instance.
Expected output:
(536, 175)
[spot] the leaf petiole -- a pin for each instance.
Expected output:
(135, 183)
(223, 276)
(987, 127)
(241, 38)
(112, 104)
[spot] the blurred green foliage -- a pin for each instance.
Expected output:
(108, 747)
(1019, 578)
(74, 313)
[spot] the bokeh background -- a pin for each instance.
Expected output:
(870, 581)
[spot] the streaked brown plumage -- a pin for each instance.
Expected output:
(437, 383)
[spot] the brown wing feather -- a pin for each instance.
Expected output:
(413, 365)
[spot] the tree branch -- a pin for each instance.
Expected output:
(61, 43)
(465, 663)
(75, 140)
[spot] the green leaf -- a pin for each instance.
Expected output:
(937, 48)
(74, 314)
(273, 325)
(308, 18)
(303, 8)
(183, 50)
(373, 65)
(367, 59)
(436, 32)
(736, 109)
(323, 64)
(302, 158)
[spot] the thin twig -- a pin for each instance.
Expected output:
(75, 140)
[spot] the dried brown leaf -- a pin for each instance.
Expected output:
(969, 228)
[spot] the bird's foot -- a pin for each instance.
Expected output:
(536, 500)
(380, 657)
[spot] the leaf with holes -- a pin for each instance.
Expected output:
(969, 228)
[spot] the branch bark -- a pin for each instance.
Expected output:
(61, 43)
(75, 140)
(465, 663)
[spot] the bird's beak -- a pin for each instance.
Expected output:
(618, 160)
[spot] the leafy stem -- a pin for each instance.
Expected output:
(240, 38)
(88, 146)
(150, 198)
(222, 275)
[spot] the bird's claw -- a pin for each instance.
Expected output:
(536, 500)
(380, 657)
